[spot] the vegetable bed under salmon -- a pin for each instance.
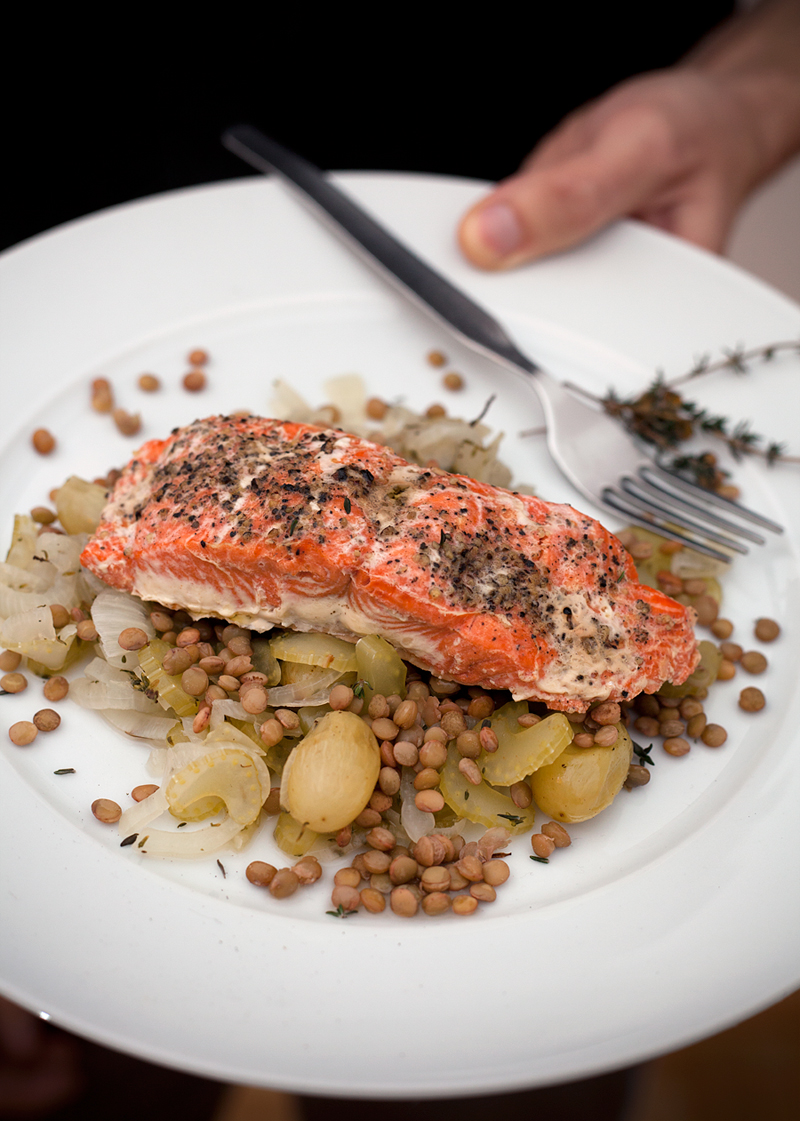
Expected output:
(264, 523)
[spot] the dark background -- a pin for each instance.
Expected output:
(95, 116)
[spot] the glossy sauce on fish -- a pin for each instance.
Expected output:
(271, 523)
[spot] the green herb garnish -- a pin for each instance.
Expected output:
(341, 913)
(643, 753)
(541, 859)
(347, 505)
(128, 840)
(65, 771)
(512, 818)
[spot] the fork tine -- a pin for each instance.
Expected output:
(681, 517)
(680, 482)
(658, 489)
(646, 514)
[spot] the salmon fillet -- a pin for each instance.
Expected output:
(267, 522)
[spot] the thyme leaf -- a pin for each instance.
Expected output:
(643, 753)
(541, 859)
(341, 913)
(65, 771)
(512, 818)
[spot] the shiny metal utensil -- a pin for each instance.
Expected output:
(591, 449)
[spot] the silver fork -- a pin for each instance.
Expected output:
(591, 448)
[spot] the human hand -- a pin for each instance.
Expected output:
(680, 149)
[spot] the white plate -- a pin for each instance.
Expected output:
(672, 915)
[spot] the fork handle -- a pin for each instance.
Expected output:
(393, 260)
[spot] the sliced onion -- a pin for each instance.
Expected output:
(142, 813)
(100, 695)
(187, 843)
(32, 579)
(138, 724)
(221, 709)
(417, 823)
(112, 613)
(32, 633)
(303, 693)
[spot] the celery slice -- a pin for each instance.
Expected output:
(168, 688)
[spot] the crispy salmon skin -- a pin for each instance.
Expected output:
(267, 522)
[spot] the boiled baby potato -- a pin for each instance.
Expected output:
(583, 780)
(329, 777)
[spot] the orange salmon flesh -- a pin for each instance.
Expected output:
(270, 523)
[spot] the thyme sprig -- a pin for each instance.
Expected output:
(661, 417)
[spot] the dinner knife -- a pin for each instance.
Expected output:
(380, 249)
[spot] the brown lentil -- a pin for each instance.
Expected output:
(405, 753)
(753, 661)
(405, 715)
(308, 870)
(696, 725)
(690, 707)
(726, 670)
(586, 739)
(766, 630)
(707, 610)
(608, 712)
(751, 699)
(429, 850)
(139, 793)
(429, 801)
(469, 769)
(254, 699)
(637, 776)
(43, 441)
(436, 903)
(453, 381)
(488, 740)
(403, 869)
(495, 872)
(47, 720)
(372, 900)
(106, 811)
(676, 745)
(148, 383)
(380, 838)
(271, 732)
(13, 682)
(468, 744)
(714, 735)
(340, 697)
(722, 628)
(260, 873)
(176, 661)
(380, 802)
(672, 728)
(376, 409)
(194, 381)
(557, 834)
(403, 901)
(87, 631)
(453, 724)
(284, 883)
(9, 660)
(542, 845)
(483, 892)
(23, 733)
(102, 395)
(389, 780)
(647, 725)
(606, 736)
(55, 689)
(433, 754)
(128, 424)
(731, 650)
(520, 793)
(464, 905)
(470, 867)
(347, 877)
(368, 818)
(133, 638)
(385, 729)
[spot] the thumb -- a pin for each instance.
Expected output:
(553, 204)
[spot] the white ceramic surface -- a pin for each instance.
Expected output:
(673, 914)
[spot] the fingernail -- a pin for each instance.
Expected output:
(499, 228)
